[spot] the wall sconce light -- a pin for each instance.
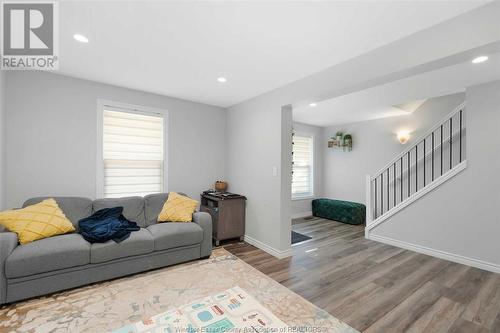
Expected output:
(403, 137)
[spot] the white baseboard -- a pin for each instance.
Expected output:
(302, 214)
(271, 250)
(437, 253)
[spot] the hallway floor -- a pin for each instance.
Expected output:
(380, 288)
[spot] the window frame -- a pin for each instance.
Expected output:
(103, 104)
(310, 195)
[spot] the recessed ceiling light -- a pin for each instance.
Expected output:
(479, 60)
(81, 38)
(221, 79)
(312, 104)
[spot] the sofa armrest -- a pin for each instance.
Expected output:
(8, 242)
(204, 220)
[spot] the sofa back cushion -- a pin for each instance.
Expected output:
(144, 211)
(133, 207)
(153, 203)
(75, 208)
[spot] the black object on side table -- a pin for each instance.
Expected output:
(228, 214)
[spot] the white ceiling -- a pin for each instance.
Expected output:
(399, 97)
(410, 106)
(180, 48)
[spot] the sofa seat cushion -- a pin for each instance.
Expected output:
(168, 235)
(47, 255)
(139, 242)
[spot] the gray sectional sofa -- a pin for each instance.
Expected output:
(68, 261)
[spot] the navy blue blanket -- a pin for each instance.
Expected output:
(106, 224)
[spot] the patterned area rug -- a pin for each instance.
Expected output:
(110, 305)
(227, 311)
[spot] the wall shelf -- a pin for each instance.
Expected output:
(341, 141)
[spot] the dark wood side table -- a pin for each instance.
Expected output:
(228, 215)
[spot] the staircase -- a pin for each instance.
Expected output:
(434, 158)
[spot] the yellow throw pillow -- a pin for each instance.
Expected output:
(42, 220)
(177, 208)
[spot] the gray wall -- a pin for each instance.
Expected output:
(300, 207)
(254, 168)
(375, 145)
(463, 213)
(51, 138)
(2, 138)
(254, 126)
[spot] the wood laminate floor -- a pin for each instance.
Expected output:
(380, 288)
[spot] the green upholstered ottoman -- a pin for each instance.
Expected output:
(338, 210)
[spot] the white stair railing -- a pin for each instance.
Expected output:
(435, 157)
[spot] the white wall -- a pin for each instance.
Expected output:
(51, 138)
(2, 138)
(303, 206)
(463, 213)
(375, 145)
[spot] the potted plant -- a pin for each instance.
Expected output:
(348, 142)
(339, 136)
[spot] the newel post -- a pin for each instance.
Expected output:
(369, 211)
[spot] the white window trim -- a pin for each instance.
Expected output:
(130, 108)
(313, 159)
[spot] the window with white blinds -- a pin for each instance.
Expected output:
(133, 153)
(302, 178)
